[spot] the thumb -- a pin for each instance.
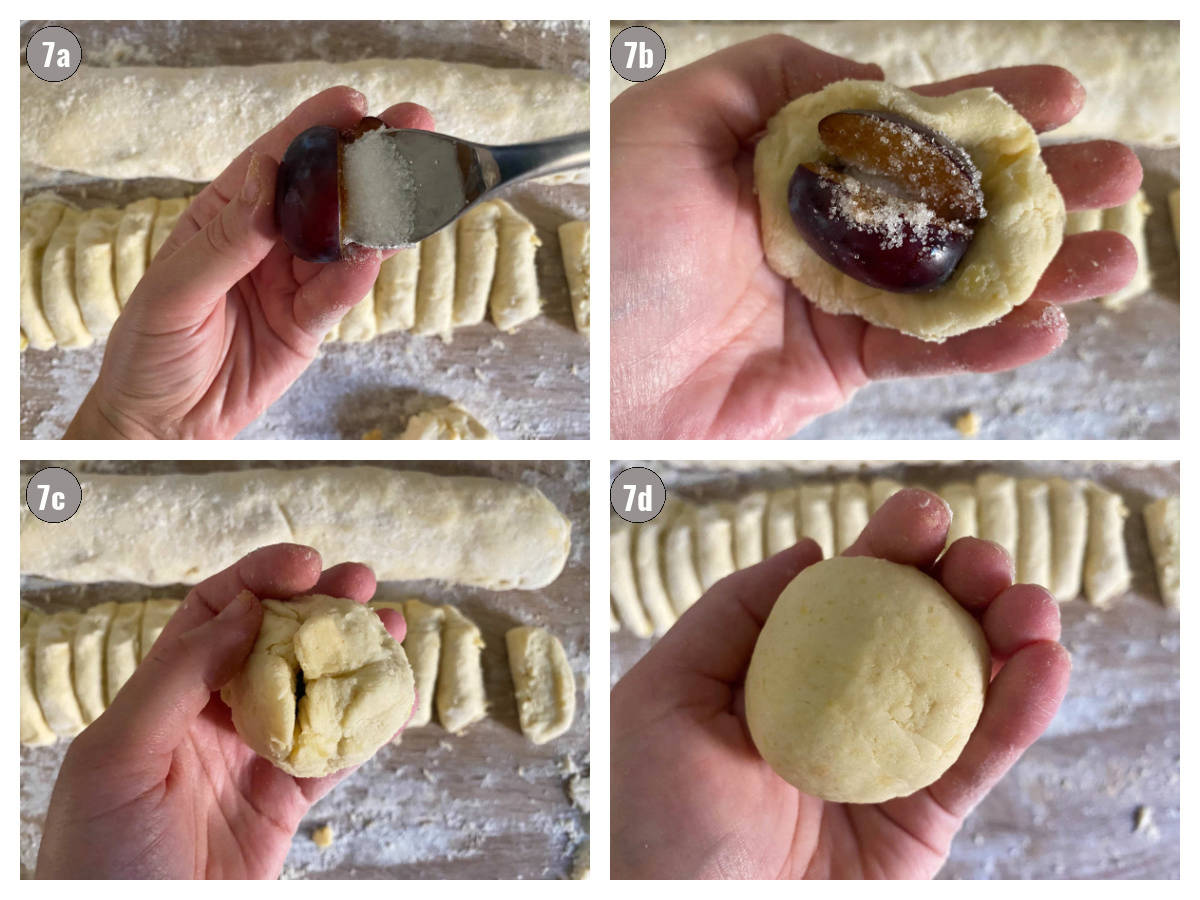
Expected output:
(186, 285)
(171, 687)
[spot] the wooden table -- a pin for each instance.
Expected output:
(531, 384)
(1067, 809)
(485, 804)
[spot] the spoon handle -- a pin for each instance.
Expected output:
(518, 162)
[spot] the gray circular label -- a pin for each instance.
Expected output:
(53, 53)
(637, 53)
(53, 495)
(637, 494)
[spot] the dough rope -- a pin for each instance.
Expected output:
(79, 267)
(575, 242)
(1046, 522)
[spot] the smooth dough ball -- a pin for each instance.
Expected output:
(1012, 245)
(866, 681)
(324, 687)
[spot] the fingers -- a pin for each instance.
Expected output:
(1020, 703)
(974, 572)
(1021, 615)
(1028, 332)
(322, 300)
(352, 580)
(726, 98)
(716, 637)
(408, 115)
(1093, 174)
(1047, 96)
(394, 622)
(910, 529)
(1087, 265)
(184, 285)
(278, 571)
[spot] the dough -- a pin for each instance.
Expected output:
(132, 245)
(34, 728)
(1128, 219)
(1069, 515)
(39, 219)
(1106, 568)
(1034, 547)
(781, 520)
(405, 525)
(866, 681)
(748, 521)
(882, 490)
(169, 212)
(324, 687)
(622, 585)
(60, 303)
(851, 513)
(998, 516)
(575, 241)
(396, 291)
(514, 297)
(1012, 245)
(87, 650)
(816, 516)
(435, 286)
(99, 120)
(52, 674)
(446, 423)
(155, 616)
(651, 586)
(542, 681)
(960, 497)
(422, 645)
(461, 700)
(478, 239)
(359, 323)
(683, 581)
(1162, 528)
(95, 278)
(1132, 87)
(123, 649)
(714, 544)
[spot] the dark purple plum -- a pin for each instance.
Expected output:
(307, 195)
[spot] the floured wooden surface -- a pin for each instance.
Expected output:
(1067, 809)
(485, 804)
(531, 384)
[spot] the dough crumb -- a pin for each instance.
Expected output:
(1143, 822)
(968, 424)
(323, 836)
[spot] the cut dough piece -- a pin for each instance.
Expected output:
(39, 220)
(543, 683)
(396, 291)
(748, 521)
(87, 650)
(99, 120)
(1162, 528)
(781, 520)
(1106, 570)
(60, 303)
(960, 497)
(168, 214)
(851, 513)
(575, 241)
(478, 239)
(461, 700)
(435, 286)
(1011, 247)
(1069, 516)
(714, 544)
(648, 563)
(95, 278)
(996, 495)
(1083, 220)
(816, 516)
(446, 423)
(123, 649)
(1033, 532)
(423, 644)
(155, 617)
(882, 490)
(514, 297)
(405, 525)
(1130, 220)
(132, 247)
(683, 581)
(52, 668)
(324, 687)
(622, 585)
(35, 731)
(359, 324)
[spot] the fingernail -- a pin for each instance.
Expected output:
(252, 186)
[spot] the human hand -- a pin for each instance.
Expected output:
(161, 785)
(692, 798)
(708, 341)
(226, 318)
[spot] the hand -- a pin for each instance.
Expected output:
(691, 797)
(161, 785)
(708, 342)
(226, 318)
